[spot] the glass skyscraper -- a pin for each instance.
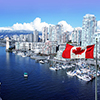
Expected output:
(55, 33)
(36, 36)
(88, 29)
(44, 34)
(76, 35)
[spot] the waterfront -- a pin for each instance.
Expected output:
(42, 83)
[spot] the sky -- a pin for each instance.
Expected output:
(34, 14)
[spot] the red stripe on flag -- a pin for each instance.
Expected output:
(89, 52)
(66, 53)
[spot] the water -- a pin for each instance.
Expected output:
(42, 83)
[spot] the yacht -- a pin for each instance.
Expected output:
(19, 53)
(55, 68)
(86, 77)
(41, 61)
(52, 68)
(64, 66)
(69, 73)
(79, 75)
(23, 55)
(14, 52)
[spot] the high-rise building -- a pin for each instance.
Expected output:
(55, 33)
(76, 35)
(30, 37)
(65, 37)
(88, 29)
(36, 36)
(58, 35)
(21, 37)
(51, 33)
(44, 34)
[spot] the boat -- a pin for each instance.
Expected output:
(74, 73)
(23, 55)
(25, 75)
(64, 66)
(98, 73)
(41, 61)
(19, 53)
(79, 71)
(55, 68)
(86, 77)
(71, 73)
(85, 70)
(46, 61)
(79, 75)
(14, 52)
(52, 68)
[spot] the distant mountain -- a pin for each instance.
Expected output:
(16, 31)
(13, 32)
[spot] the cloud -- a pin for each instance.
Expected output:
(24, 26)
(66, 26)
(78, 28)
(36, 25)
(5, 28)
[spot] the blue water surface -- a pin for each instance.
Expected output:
(42, 83)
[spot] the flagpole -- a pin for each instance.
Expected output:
(96, 74)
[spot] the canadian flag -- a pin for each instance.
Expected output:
(72, 52)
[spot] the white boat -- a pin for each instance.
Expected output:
(23, 55)
(78, 71)
(19, 53)
(64, 66)
(86, 77)
(25, 75)
(52, 68)
(84, 70)
(55, 68)
(46, 61)
(74, 73)
(14, 52)
(98, 73)
(71, 73)
(69, 66)
(79, 75)
(42, 62)
(72, 65)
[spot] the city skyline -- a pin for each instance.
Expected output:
(31, 14)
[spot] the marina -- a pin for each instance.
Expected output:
(83, 69)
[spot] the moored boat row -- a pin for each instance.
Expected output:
(81, 70)
(84, 72)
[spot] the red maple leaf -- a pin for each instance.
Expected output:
(78, 51)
